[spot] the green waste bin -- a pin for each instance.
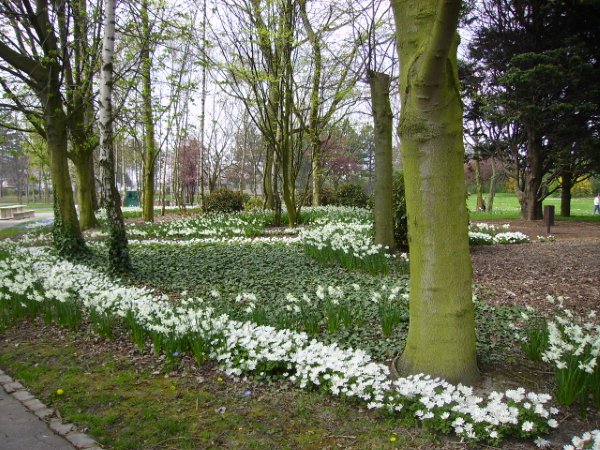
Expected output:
(132, 198)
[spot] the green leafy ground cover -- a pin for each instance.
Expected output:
(272, 271)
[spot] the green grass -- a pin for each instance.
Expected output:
(126, 401)
(506, 206)
(37, 206)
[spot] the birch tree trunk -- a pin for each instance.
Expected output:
(441, 337)
(118, 251)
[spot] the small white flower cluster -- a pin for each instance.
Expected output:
(478, 238)
(352, 239)
(588, 440)
(508, 237)
(237, 240)
(241, 347)
(569, 337)
(511, 237)
(549, 238)
(347, 214)
(391, 294)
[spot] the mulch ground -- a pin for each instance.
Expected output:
(526, 274)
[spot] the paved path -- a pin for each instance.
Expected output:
(28, 424)
(20, 429)
(39, 217)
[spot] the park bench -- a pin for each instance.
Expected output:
(8, 212)
(24, 214)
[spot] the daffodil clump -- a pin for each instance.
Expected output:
(349, 244)
(32, 278)
(487, 234)
(574, 351)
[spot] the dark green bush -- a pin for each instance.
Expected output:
(326, 197)
(352, 194)
(224, 201)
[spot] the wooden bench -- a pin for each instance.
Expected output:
(24, 214)
(8, 212)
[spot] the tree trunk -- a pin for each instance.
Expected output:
(441, 336)
(150, 145)
(382, 127)
(268, 178)
(531, 205)
(118, 251)
(67, 233)
(565, 194)
(492, 193)
(86, 189)
(478, 186)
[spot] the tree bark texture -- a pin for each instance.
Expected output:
(67, 233)
(151, 151)
(565, 194)
(441, 338)
(492, 191)
(86, 189)
(531, 205)
(118, 251)
(379, 84)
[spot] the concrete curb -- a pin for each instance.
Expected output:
(66, 430)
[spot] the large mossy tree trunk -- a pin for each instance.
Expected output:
(79, 96)
(67, 232)
(86, 188)
(441, 338)
(383, 118)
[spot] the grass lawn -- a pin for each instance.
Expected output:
(131, 400)
(506, 206)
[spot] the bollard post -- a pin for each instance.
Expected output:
(548, 217)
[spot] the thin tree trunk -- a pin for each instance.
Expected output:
(565, 193)
(382, 125)
(118, 251)
(151, 152)
(441, 337)
(478, 185)
(531, 206)
(492, 193)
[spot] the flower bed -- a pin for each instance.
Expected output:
(37, 283)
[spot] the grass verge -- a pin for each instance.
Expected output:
(131, 400)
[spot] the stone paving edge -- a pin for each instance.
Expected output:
(47, 415)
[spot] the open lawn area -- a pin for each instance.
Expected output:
(506, 206)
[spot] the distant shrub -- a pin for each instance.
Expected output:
(254, 203)
(224, 201)
(352, 194)
(326, 197)
(583, 189)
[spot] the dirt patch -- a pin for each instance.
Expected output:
(525, 274)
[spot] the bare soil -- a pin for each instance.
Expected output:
(526, 274)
